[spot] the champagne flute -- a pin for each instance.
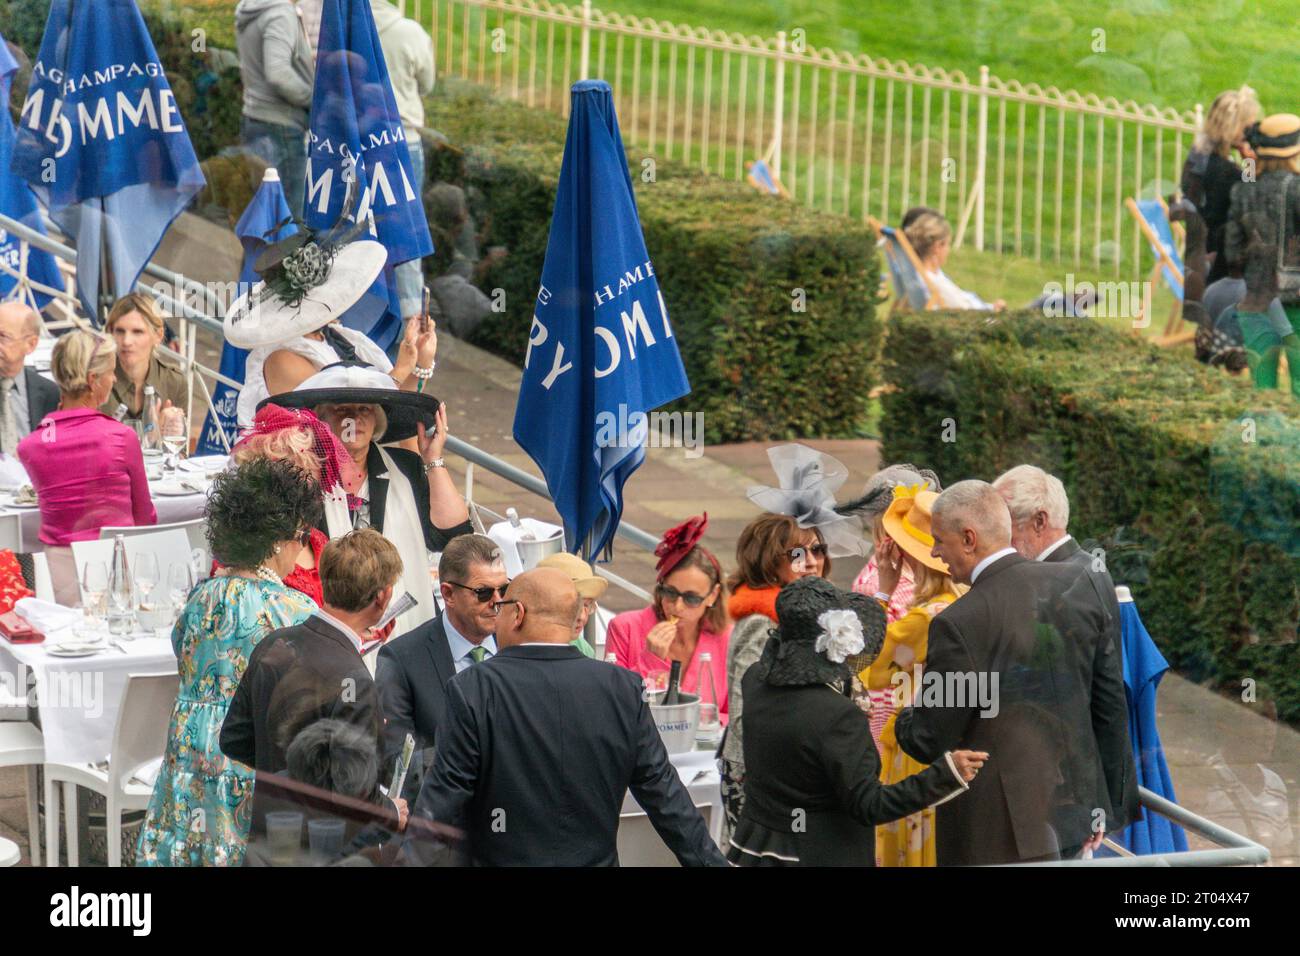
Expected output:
(146, 575)
(94, 585)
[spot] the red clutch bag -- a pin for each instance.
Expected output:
(16, 628)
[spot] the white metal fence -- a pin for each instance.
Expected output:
(1019, 169)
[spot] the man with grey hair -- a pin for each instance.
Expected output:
(1004, 674)
(25, 396)
(1040, 513)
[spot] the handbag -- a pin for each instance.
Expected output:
(18, 630)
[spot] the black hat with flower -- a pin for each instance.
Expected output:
(819, 628)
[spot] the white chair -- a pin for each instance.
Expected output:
(172, 546)
(195, 530)
(21, 745)
(9, 853)
(139, 737)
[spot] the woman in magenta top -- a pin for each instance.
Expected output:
(688, 617)
(86, 469)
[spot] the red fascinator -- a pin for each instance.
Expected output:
(677, 543)
(337, 466)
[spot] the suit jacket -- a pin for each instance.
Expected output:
(412, 673)
(1109, 700)
(539, 747)
(1025, 636)
(42, 397)
(296, 676)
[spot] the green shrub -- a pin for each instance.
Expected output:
(729, 260)
(1188, 479)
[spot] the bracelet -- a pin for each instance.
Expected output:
(425, 373)
(436, 463)
(882, 597)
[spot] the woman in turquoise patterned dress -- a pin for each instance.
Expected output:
(259, 519)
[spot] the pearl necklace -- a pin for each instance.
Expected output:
(266, 574)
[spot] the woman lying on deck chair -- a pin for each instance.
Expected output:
(931, 238)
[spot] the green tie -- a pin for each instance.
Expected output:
(478, 653)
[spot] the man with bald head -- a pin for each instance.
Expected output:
(539, 745)
(1009, 671)
(25, 396)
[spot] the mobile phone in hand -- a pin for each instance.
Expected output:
(424, 312)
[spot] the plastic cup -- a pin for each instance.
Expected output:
(325, 836)
(284, 834)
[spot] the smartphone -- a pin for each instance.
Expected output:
(424, 312)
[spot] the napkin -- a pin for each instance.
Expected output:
(46, 616)
(147, 772)
(12, 473)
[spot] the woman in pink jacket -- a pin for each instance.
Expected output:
(86, 468)
(688, 617)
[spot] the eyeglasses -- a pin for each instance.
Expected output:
(498, 605)
(689, 598)
(484, 594)
(815, 550)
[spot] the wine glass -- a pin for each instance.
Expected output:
(146, 575)
(94, 585)
(175, 435)
(180, 581)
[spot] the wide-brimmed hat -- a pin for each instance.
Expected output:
(908, 522)
(1277, 135)
(588, 583)
(308, 280)
(879, 491)
(819, 628)
(350, 383)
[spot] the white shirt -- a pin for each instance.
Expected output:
(989, 560)
(1042, 555)
(340, 626)
(461, 645)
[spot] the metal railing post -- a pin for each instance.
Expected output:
(981, 153)
(778, 104)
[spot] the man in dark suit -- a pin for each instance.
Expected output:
(1040, 514)
(540, 744)
(413, 670)
(1003, 675)
(25, 395)
(298, 676)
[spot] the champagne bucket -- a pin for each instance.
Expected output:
(677, 723)
(532, 552)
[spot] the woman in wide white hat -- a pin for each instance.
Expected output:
(289, 320)
(408, 497)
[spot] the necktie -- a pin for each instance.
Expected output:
(478, 653)
(8, 430)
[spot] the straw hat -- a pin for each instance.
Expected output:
(579, 572)
(908, 522)
(1277, 135)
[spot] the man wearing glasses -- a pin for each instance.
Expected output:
(413, 670)
(25, 396)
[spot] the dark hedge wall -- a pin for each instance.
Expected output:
(1188, 479)
(728, 260)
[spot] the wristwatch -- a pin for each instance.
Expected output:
(436, 463)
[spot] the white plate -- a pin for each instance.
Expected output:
(11, 503)
(172, 489)
(77, 650)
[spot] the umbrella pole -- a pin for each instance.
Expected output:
(590, 628)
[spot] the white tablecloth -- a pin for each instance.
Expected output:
(698, 772)
(78, 697)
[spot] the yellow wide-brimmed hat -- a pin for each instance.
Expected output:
(588, 583)
(1277, 135)
(908, 522)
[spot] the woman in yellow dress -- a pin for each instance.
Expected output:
(909, 841)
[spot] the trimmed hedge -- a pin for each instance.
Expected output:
(728, 259)
(1188, 479)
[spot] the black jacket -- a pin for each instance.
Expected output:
(812, 777)
(42, 397)
(409, 464)
(412, 673)
(1034, 628)
(296, 676)
(538, 748)
(1108, 698)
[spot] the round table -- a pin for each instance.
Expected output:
(9, 855)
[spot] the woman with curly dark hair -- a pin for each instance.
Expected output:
(259, 518)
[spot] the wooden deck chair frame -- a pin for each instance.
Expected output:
(900, 300)
(766, 160)
(1171, 335)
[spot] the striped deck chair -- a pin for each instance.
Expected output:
(912, 288)
(1152, 217)
(759, 175)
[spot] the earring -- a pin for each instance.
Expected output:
(277, 549)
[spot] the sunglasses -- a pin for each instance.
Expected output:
(485, 593)
(815, 550)
(689, 598)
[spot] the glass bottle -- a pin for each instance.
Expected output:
(709, 728)
(121, 597)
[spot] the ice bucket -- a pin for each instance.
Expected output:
(677, 723)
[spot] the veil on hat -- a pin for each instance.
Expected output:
(808, 482)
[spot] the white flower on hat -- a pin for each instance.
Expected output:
(841, 634)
